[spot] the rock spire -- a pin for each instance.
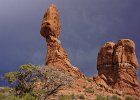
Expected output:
(56, 54)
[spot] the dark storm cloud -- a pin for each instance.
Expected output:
(86, 26)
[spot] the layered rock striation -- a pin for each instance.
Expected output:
(56, 54)
(117, 62)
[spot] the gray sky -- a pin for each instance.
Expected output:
(86, 26)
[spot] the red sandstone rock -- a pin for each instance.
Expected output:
(118, 63)
(51, 23)
(101, 80)
(125, 52)
(125, 61)
(105, 61)
(56, 54)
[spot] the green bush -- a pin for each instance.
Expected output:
(2, 96)
(100, 97)
(66, 97)
(28, 97)
(24, 79)
(129, 98)
(114, 97)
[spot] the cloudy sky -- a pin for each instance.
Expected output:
(86, 26)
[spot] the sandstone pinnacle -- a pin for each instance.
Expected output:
(56, 54)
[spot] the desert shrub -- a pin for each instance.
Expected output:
(56, 78)
(2, 96)
(100, 97)
(25, 81)
(114, 97)
(89, 90)
(5, 89)
(129, 98)
(65, 97)
(28, 97)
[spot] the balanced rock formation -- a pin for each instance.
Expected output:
(56, 54)
(117, 62)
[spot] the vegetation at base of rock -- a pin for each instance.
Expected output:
(100, 97)
(114, 97)
(131, 98)
(8, 96)
(24, 79)
(128, 98)
(72, 97)
(39, 82)
(66, 97)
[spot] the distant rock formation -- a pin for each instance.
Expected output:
(56, 54)
(118, 64)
